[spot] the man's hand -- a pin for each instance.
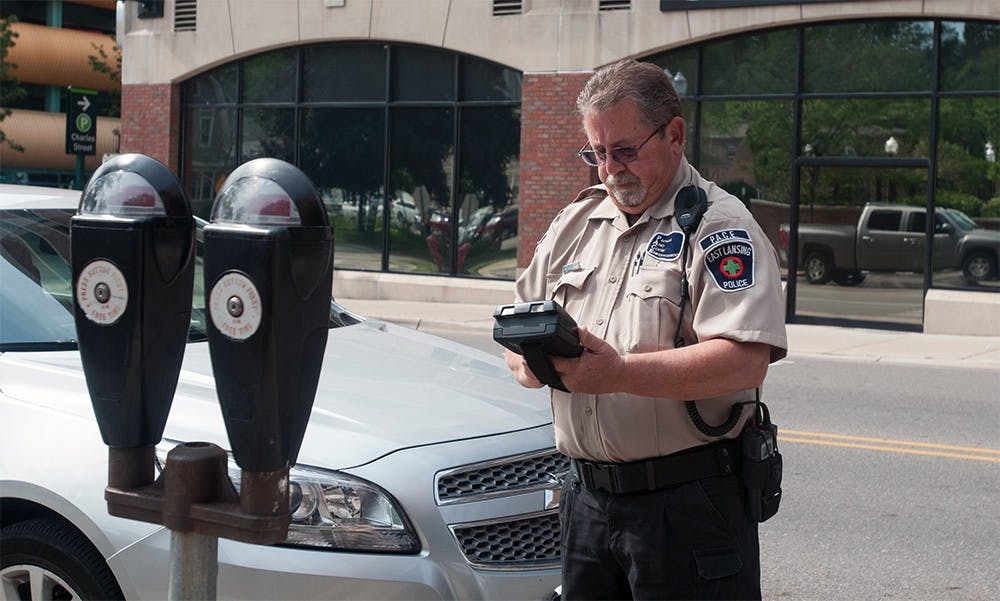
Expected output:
(600, 369)
(519, 367)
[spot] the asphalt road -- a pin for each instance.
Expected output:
(892, 479)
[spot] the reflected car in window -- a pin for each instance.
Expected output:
(426, 472)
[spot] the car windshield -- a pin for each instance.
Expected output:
(36, 295)
(961, 220)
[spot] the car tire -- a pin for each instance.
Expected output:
(818, 267)
(978, 266)
(52, 554)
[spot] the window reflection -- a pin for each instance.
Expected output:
(861, 127)
(970, 56)
(268, 132)
(209, 154)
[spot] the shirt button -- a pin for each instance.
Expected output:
(627, 238)
(588, 411)
(613, 279)
(600, 321)
(647, 288)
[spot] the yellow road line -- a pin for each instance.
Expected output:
(893, 446)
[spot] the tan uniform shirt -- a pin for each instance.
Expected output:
(623, 283)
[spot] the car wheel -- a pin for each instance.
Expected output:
(978, 266)
(46, 559)
(818, 267)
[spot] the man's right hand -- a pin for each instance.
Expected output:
(522, 373)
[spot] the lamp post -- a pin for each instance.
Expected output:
(991, 153)
(680, 82)
(891, 149)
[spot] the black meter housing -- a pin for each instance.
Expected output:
(268, 282)
(132, 254)
(537, 330)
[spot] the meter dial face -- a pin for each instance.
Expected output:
(234, 305)
(102, 292)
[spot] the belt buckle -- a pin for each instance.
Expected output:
(604, 477)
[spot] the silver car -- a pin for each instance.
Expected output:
(426, 472)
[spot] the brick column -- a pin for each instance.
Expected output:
(551, 173)
(151, 122)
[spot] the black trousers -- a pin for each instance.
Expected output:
(692, 541)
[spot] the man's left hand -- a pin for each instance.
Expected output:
(598, 370)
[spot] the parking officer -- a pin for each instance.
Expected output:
(654, 508)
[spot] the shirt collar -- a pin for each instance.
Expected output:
(661, 209)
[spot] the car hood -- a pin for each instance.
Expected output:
(383, 388)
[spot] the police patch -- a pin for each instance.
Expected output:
(729, 258)
(665, 247)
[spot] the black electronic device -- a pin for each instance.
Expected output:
(268, 277)
(132, 254)
(762, 465)
(538, 330)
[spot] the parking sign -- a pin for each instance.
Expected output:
(81, 122)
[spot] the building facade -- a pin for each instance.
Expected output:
(442, 135)
(53, 46)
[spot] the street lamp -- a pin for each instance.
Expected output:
(891, 146)
(991, 153)
(680, 82)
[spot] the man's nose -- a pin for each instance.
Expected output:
(611, 166)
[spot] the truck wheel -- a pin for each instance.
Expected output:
(819, 267)
(848, 278)
(978, 266)
(46, 559)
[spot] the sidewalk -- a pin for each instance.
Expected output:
(804, 340)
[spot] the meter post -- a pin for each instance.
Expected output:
(268, 280)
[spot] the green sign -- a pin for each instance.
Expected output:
(81, 122)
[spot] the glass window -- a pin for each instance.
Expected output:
(863, 127)
(268, 132)
(483, 80)
(217, 86)
(422, 162)
(422, 74)
(343, 152)
(682, 66)
(751, 64)
(270, 77)
(872, 56)
(884, 221)
(342, 72)
(209, 154)
(488, 185)
(970, 56)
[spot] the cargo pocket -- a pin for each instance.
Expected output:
(652, 302)
(714, 564)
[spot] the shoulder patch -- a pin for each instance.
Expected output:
(729, 259)
(665, 247)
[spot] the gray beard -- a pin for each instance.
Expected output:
(629, 197)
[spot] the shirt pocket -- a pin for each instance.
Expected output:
(652, 306)
(566, 288)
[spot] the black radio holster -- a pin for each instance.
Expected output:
(761, 469)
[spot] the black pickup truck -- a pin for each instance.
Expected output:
(892, 238)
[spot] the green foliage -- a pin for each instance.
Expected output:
(112, 68)
(10, 88)
(967, 203)
(991, 208)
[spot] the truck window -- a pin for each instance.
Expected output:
(918, 223)
(886, 221)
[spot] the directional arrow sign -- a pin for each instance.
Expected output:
(81, 123)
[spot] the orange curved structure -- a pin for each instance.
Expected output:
(58, 57)
(43, 136)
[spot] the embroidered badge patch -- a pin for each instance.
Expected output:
(665, 247)
(729, 258)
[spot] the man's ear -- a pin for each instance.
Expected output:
(676, 133)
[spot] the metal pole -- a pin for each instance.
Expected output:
(194, 566)
(78, 178)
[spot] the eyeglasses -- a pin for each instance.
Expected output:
(627, 154)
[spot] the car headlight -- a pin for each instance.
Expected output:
(335, 511)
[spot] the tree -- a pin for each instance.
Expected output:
(10, 88)
(112, 68)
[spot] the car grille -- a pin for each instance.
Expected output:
(527, 541)
(511, 475)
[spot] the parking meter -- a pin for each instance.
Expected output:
(268, 280)
(132, 246)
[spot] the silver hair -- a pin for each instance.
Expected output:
(644, 84)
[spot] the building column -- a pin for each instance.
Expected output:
(551, 173)
(151, 122)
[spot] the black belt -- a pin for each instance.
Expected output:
(706, 461)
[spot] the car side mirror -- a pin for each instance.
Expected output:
(943, 228)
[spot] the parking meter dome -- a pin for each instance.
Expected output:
(269, 192)
(134, 185)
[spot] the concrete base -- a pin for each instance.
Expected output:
(962, 312)
(421, 288)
